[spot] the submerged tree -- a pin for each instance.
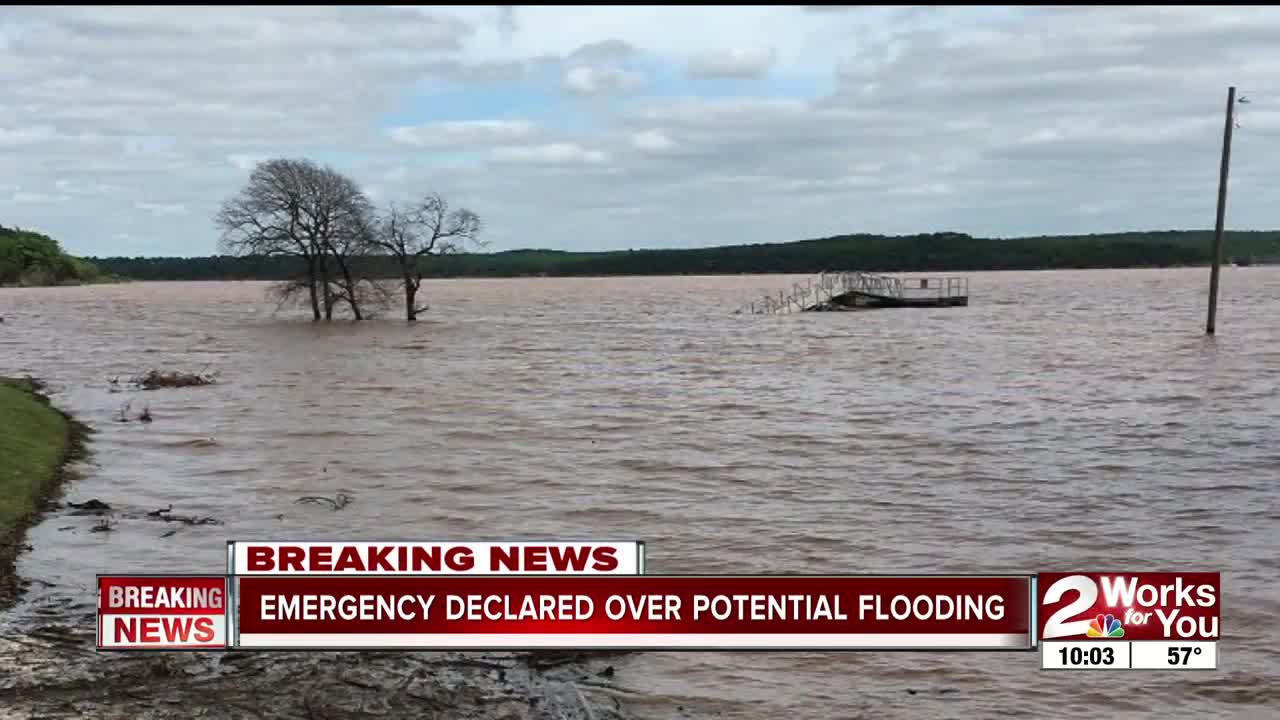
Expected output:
(294, 207)
(411, 234)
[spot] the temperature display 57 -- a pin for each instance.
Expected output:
(1175, 655)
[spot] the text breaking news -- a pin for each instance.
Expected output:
(435, 558)
(1129, 620)
(162, 613)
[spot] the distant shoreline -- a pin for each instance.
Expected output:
(928, 253)
(128, 281)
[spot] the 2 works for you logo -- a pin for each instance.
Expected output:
(1128, 606)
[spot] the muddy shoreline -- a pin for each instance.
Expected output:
(57, 674)
(54, 670)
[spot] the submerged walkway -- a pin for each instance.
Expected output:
(849, 290)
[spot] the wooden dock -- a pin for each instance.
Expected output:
(841, 291)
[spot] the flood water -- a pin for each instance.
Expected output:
(1064, 420)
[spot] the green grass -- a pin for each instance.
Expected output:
(35, 439)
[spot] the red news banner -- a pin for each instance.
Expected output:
(545, 595)
(162, 613)
(639, 612)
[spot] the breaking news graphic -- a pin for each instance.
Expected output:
(441, 558)
(595, 595)
(162, 613)
(645, 612)
(1129, 621)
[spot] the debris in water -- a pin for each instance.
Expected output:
(154, 379)
(338, 502)
(146, 414)
(90, 507)
(607, 672)
(103, 525)
(171, 533)
(166, 515)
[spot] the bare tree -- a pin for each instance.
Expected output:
(340, 218)
(264, 219)
(294, 207)
(411, 234)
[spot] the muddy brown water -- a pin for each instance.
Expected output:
(1062, 420)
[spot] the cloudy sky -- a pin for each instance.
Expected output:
(122, 129)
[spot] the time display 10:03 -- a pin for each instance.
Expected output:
(1077, 655)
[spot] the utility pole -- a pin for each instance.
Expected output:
(1222, 212)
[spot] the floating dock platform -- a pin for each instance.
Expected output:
(840, 291)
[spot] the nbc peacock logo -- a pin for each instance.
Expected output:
(1105, 626)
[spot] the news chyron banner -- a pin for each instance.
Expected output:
(636, 612)
(1129, 621)
(596, 595)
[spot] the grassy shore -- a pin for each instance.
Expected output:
(37, 442)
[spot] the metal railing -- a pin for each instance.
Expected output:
(826, 286)
(939, 287)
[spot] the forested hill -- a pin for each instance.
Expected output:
(31, 258)
(931, 252)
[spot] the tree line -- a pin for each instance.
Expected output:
(910, 253)
(31, 258)
(326, 230)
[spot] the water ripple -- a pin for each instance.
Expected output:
(965, 440)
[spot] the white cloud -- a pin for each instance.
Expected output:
(161, 209)
(927, 189)
(468, 132)
(551, 154)
(30, 198)
(81, 188)
(26, 135)
(601, 80)
(604, 51)
(736, 63)
(396, 174)
(245, 162)
(652, 141)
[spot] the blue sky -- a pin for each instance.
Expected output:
(615, 127)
